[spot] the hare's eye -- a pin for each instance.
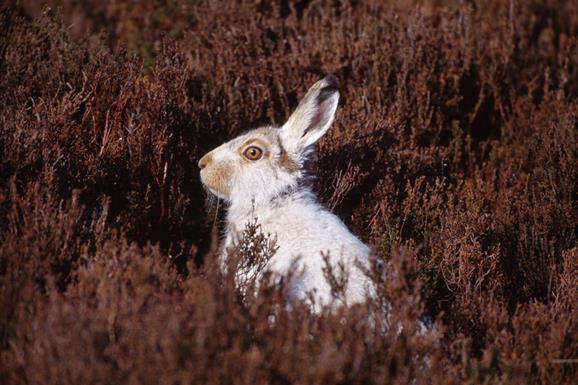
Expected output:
(253, 153)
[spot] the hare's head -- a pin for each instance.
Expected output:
(267, 161)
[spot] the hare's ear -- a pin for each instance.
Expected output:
(313, 115)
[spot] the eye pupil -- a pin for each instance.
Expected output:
(253, 153)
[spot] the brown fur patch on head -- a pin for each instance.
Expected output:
(285, 160)
(270, 137)
(205, 160)
(217, 177)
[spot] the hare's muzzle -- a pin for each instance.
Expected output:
(205, 160)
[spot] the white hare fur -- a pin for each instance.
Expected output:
(261, 175)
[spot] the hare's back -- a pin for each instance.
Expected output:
(307, 240)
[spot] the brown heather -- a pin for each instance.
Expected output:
(453, 154)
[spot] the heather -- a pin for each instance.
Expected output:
(453, 155)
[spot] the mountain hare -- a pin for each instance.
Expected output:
(261, 175)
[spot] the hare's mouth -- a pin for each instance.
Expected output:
(216, 193)
(214, 185)
(217, 178)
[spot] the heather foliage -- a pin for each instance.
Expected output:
(453, 154)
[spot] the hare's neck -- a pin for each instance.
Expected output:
(242, 212)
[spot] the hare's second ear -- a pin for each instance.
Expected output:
(313, 115)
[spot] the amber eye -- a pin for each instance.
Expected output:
(253, 153)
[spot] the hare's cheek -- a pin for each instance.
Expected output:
(218, 178)
(285, 162)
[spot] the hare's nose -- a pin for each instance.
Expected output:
(204, 161)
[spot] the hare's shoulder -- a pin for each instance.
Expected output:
(310, 227)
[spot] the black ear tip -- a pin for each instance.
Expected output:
(330, 88)
(331, 81)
